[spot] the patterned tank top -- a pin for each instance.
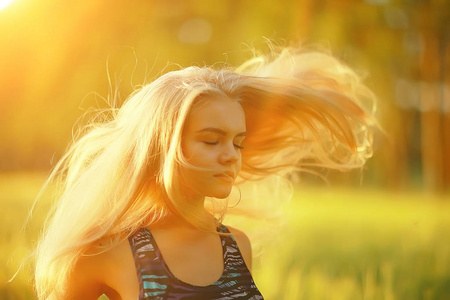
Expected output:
(157, 282)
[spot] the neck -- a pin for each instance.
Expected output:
(199, 215)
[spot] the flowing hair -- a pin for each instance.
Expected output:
(303, 109)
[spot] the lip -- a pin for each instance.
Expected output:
(227, 176)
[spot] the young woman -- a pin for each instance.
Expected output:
(143, 192)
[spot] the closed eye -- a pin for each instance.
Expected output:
(211, 143)
(238, 147)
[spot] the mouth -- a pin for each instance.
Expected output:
(226, 176)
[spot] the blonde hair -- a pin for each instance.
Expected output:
(303, 109)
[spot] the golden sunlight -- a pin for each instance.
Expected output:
(4, 3)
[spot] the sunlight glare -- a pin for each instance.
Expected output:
(4, 3)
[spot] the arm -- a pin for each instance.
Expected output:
(244, 246)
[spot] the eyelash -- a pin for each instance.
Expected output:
(215, 143)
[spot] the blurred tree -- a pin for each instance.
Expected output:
(55, 58)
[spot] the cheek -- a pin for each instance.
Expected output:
(200, 156)
(239, 164)
(190, 152)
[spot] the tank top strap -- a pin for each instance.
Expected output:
(234, 264)
(153, 279)
(236, 274)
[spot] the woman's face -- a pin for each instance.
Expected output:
(212, 140)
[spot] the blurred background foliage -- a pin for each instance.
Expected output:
(56, 56)
(61, 59)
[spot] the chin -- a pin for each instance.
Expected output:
(221, 194)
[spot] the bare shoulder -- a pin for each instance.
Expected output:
(244, 245)
(85, 281)
(103, 270)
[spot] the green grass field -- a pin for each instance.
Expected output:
(336, 245)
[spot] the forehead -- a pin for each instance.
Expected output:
(219, 113)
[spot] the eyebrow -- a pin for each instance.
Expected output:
(219, 131)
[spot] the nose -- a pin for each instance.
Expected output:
(229, 155)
